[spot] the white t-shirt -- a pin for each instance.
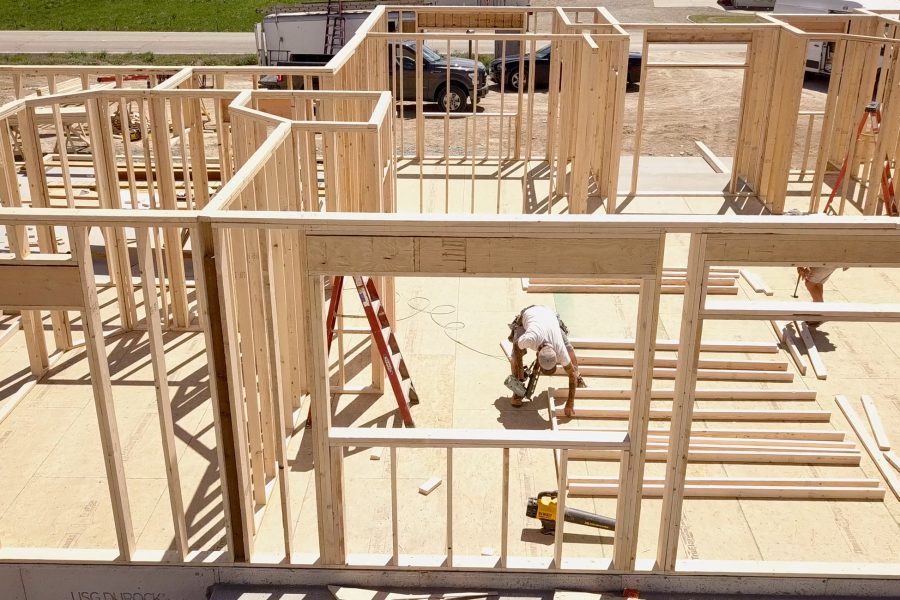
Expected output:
(542, 325)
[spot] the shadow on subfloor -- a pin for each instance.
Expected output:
(738, 205)
(536, 536)
(822, 339)
(359, 362)
(531, 203)
(348, 415)
(531, 415)
(189, 393)
(204, 510)
(742, 205)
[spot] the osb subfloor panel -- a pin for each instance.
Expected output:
(54, 492)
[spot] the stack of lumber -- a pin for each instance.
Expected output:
(81, 178)
(877, 444)
(761, 488)
(592, 364)
(743, 450)
(54, 160)
(788, 334)
(725, 445)
(783, 440)
(721, 281)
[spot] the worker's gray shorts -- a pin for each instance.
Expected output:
(820, 275)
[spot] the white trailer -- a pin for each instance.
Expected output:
(280, 37)
(835, 7)
(819, 53)
(300, 36)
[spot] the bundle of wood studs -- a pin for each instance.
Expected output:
(721, 281)
(792, 444)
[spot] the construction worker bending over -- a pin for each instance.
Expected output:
(540, 329)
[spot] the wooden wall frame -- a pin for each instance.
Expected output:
(707, 249)
(492, 252)
(269, 167)
(414, 246)
(396, 245)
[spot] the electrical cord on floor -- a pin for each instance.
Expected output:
(421, 304)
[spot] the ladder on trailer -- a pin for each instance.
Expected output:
(334, 27)
(382, 336)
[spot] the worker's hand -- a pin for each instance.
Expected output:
(803, 272)
(569, 409)
(579, 382)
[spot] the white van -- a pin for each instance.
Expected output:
(796, 7)
(819, 53)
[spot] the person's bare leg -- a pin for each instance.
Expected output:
(517, 364)
(518, 370)
(817, 293)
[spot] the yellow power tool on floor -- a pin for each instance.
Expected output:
(544, 509)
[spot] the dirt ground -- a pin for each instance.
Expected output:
(681, 106)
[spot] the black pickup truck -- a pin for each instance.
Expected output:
(542, 69)
(465, 84)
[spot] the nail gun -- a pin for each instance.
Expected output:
(544, 508)
(524, 388)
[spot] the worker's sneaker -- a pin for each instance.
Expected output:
(516, 401)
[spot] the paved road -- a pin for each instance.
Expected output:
(42, 42)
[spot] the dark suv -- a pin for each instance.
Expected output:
(542, 69)
(463, 85)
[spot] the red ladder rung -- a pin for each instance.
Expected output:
(382, 336)
(337, 283)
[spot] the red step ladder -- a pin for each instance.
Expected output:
(382, 335)
(872, 118)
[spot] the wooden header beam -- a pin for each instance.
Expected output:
(442, 19)
(807, 250)
(691, 34)
(560, 226)
(495, 256)
(436, 225)
(49, 282)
